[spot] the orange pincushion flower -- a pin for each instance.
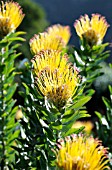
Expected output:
(92, 30)
(10, 17)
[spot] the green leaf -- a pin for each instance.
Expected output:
(110, 90)
(107, 102)
(57, 126)
(10, 92)
(13, 112)
(43, 161)
(98, 115)
(13, 137)
(15, 46)
(78, 104)
(9, 80)
(11, 127)
(20, 33)
(17, 39)
(49, 133)
(73, 131)
(99, 48)
(9, 106)
(68, 123)
(26, 87)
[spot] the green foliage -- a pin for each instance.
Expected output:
(8, 127)
(43, 124)
(88, 60)
(104, 124)
(104, 80)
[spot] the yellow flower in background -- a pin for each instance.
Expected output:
(56, 79)
(55, 38)
(19, 115)
(45, 41)
(10, 17)
(88, 125)
(81, 153)
(92, 30)
(60, 31)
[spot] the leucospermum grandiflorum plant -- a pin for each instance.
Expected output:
(91, 33)
(11, 16)
(53, 98)
(57, 80)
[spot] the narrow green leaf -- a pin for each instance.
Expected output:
(68, 123)
(73, 131)
(79, 103)
(20, 33)
(13, 137)
(9, 106)
(11, 90)
(98, 115)
(107, 102)
(26, 87)
(49, 133)
(17, 39)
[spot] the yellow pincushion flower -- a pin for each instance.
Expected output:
(92, 30)
(10, 17)
(45, 41)
(56, 79)
(81, 153)
(60, 31)
(87, 124)
(55, 38)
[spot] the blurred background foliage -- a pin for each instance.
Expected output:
(34, 22)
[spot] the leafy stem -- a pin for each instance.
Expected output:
(2, 112)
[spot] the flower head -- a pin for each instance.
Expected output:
(60, 31)
(94, 30)
(55, 38)
(56, 79)
(81, 153)
(10, 17)
(45, 41)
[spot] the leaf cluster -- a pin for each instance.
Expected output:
(8, 126)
